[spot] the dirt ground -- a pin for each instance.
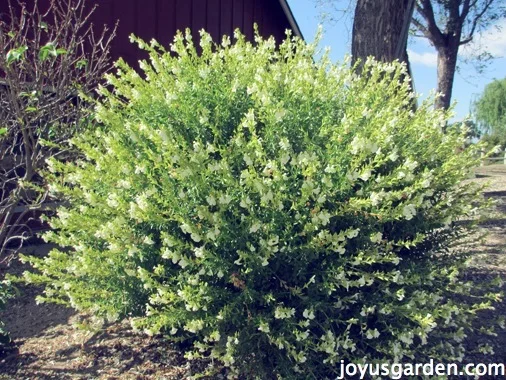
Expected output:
(51, 343)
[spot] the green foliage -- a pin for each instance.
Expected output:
(275, 213)
(16, 54)
(41, 105)
(490, 111)
(6, 293)
(50, 50)
(468, 127)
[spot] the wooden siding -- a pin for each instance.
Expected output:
(160, 19)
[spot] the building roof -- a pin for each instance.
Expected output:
(291, 19)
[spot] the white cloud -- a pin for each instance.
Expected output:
(426, 59)
(492, 40)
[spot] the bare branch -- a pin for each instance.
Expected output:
(424, 8)
(422, 28)
(39, 99)
(475, 22)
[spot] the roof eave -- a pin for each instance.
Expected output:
(291, 19)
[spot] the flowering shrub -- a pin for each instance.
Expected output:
(6, 292)
(276, 213)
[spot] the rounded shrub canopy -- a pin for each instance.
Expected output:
(279, 213)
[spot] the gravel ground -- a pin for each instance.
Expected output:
(51, 343)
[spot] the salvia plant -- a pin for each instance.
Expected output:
(275, 212)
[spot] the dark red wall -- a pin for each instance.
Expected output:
(160, 19)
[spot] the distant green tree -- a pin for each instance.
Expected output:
(490, 111)
(472, 129)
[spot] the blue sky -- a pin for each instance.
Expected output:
(468, 82)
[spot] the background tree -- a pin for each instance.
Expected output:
(47, 57)
(490, 111)
(380, 29)
(447, 24)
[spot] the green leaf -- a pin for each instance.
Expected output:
(24, 94)
(47, 50)
(16, 54)
(3, 131)
(50, 50)
(43, 25)
(11, 34)
(82, 63)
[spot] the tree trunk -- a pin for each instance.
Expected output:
(446, 66)
(379, 31)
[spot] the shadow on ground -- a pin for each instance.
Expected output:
(23, 317)
(50, 346)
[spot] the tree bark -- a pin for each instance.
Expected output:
(446, 66)
(378, 30)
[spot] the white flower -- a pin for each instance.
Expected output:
(196, 237)
(284, 143)
(273, 241)
(125, 184)
(199, 251)
(194, 326)
(409, 211)
(308, 314)
(203, 119)
(183, 263)
(212, 235)
(393, 156)
(185, 228)
(247, 159)
(255, 227)
(365, 175)
(376, 198)
(352, 233)
(264, 327)
(330, 169)
(267, 197)
(186, 173)
(426, 183)
(112, 201)
(356, 145)
(280, 114)
(284, 158)
(301, 358)
(147, 240)
(376, 237)
(163, 135)
(283, 312)
(225, 199)
(372, 334)
(324, 217)
(213, 168)
(410, 164)
(140, 169)
(245, 202)
(352, 176)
